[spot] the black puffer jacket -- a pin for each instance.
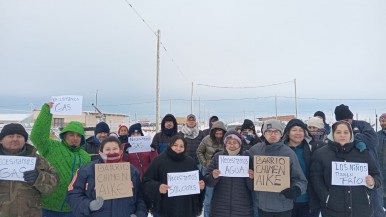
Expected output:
(342, 201)
(231, 195)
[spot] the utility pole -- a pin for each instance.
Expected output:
(158, 84)
(296, 100)
(191, 101)
(96, 100)
(276, 105)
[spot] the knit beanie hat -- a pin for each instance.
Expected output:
(102, 127)
(135, 128)
(122, 126)
(321, 114)
(232, 134)
(342, 112)
(315, 122)
(273, 123)
(248, 124)
(13, 128)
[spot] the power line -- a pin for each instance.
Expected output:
(229, 87)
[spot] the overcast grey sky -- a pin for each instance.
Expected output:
(334, 50)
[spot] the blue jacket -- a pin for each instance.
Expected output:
(365, 133)
(82, 191)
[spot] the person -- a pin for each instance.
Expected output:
(337, 200)
(66, 156)
(15, 195)
(365, 138)
(382, 153)
(317, 131)
(193, 136)
(321, 115)
(212, 143)
(168, 130)
(81, 193)
(102, 131)
(250, 137)
(140, 160)
(297, 137)
(211, 122)
(123, 133)
(155, 184)
(278, 204)
(231, 195)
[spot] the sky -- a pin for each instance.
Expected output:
(106, 51)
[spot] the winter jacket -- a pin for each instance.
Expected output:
(161, 139)
(92, 147)
(231, 195)
(382, 157)
(273, 201)
(342, 201)
(208, 146)
(365, 133)
(141, 160)
(192, 145)
(65, 159)
(21, 199)
(82, 191)
(156, 174)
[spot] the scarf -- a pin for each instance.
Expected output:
(233, 153)
(168, 132)
(190, 133)
(175, 156)
(111, 158)
(319, 135)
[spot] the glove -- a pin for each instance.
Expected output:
(361, 146)
(30, 176)
(356, 130)
(96, 204)
(291, 193)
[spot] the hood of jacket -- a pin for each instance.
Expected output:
(169, 116)
(294, 123)
(76, 127)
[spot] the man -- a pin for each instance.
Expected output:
(193, 136)
(280, 204)
(211, 144)
(211, 121)
(248, 132)
(365, 137)
(382, 153)
(66, 156)
(93, 143)
(168, 130)
(15, 195)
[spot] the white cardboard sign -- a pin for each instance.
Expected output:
(67, 105)
(349, 173)
(12, 167)
(184, 183)
(140, 144)
(233, 166)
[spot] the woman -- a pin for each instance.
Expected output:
(297, 137)
(231, 195)
(337, 200)
(154, 181)
(82, 195)
(141, 160)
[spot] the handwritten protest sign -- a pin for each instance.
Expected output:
(271, 173)
(184, 183)
(349, 173)
(113, 180)
(67, 105)
(12, 167)
(233, 166)
(140, 144)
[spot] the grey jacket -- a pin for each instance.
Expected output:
(273, 201)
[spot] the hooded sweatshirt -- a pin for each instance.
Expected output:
(64, 158)
(161, 139)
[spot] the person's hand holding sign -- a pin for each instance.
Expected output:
(202, 184)
(216, 173)
(163, 188)
(50, 104)
(250, 173)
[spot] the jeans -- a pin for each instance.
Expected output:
(254, 203)
(49, 213)
(377, 201)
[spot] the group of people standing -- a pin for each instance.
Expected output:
(63, 181)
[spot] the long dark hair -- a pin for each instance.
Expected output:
(175, 138)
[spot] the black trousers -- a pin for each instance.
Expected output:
(303, 210)
(274, 214)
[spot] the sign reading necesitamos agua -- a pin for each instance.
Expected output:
(233, 166)
(13, 167)
(349, 173)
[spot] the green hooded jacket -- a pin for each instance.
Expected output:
(65, 159)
